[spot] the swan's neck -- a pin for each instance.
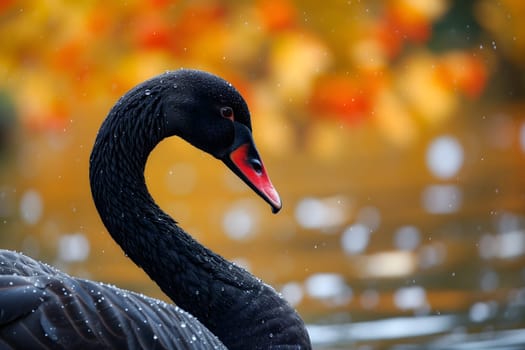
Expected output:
(227, 299)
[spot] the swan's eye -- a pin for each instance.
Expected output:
(227, 112)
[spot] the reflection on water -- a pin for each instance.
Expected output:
(445, 332)
(381, 330)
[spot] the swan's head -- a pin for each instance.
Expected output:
(210, 113)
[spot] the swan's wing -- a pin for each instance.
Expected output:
(60, 312)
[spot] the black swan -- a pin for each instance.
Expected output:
(219, 305)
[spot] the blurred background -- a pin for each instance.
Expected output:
(394, 132)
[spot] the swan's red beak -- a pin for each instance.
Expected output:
(246, 163)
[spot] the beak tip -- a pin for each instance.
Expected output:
(273, 198)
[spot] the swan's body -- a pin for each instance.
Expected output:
(45, 308)
(57, 311)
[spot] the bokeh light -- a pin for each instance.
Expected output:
(444, 157)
